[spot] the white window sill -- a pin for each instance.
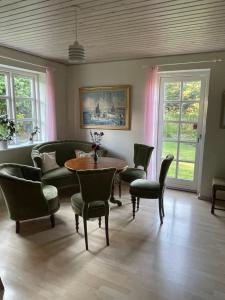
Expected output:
(23, 145)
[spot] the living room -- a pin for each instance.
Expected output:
(181, 259)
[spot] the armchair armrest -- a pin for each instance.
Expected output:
(31, 173)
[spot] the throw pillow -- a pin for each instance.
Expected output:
(48, 161)
(80, 153)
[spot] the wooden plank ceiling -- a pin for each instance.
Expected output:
(113, 29)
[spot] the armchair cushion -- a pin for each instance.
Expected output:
(96, 208)
(131, 174)
(51, 195)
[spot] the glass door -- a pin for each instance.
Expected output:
(180, 126)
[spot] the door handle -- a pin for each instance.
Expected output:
(199, 138)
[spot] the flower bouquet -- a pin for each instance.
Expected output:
(96, 138)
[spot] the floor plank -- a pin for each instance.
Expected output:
(184, 259)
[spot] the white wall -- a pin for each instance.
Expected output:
(135, 73)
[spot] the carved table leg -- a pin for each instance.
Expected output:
(112, 198)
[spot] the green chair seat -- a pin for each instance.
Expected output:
(143, 188)
(95, 208)
(131, 174)
(51, 195)
(60, 177)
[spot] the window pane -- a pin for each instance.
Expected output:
(170, 131)
(186, 170)
(3, 89)
(187, 151)
(190, 112)
(172, 90)
(172, 170)
(22, 86)
(3, 107)
(169, 148)
(23, 109)
(187, 133)
(23, 131)
(171, 111)
(192, 90)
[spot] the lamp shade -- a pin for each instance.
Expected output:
(76, 53)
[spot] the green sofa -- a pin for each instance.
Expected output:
(65, 150)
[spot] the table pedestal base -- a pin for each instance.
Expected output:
(112, 198)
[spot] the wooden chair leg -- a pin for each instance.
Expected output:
(160, 211)
(133, 199)
(99, 222)
(107, 229)
(52, 219)
(17, 226)
(85, 233)
(213, 200)
(162, 204)
(77, 222)
(138, 202)
(1, 285)
(119, 188)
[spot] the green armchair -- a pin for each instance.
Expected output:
(142, 155)
(92, 202)
(25, 196)
(142, 188)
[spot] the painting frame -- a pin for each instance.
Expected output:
(119, 116)
(222, 118)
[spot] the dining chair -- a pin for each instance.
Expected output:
(142, 155)
(92, 201)
(25, 195)
(143, 188)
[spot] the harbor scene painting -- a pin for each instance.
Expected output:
(105, 107)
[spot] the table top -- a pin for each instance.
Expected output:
(87, 163)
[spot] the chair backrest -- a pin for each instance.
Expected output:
(142, 155)
(96, 184)
(164, 169)
(24, 198)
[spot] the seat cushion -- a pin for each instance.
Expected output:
(60, 177)
(96, 208)
(131, 174)
(51, 195)
(143, 188)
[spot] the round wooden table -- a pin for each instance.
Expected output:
(87, 163)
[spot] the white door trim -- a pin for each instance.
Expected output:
(200, 73)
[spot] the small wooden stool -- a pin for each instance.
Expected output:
(218, 184)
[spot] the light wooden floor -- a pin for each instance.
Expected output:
(183, 259)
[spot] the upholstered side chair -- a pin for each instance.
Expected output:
(142, 156)
(25, 196)
(142, 188)
(92, 201)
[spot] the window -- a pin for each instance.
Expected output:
(19, 99)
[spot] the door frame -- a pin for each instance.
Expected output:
(202, 73)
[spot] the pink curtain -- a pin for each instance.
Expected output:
(50, 107)
(151, 118)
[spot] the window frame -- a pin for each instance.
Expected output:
(12, 99)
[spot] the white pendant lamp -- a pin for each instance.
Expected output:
(76, 51)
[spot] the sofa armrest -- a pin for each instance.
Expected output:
(36, 157)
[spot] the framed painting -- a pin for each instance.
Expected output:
(222, 122)
(105, 107)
